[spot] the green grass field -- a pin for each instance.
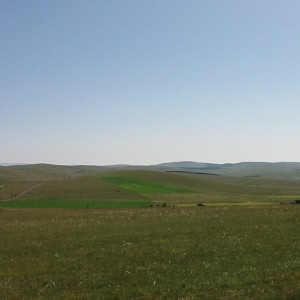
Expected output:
(90, 187)
(143, 186)
(152, 186)
(151, 253)
(82, 234)
(17, 178)
(73, 204)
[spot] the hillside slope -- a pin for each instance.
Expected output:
(68, 184)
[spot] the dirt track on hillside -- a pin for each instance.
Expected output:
(23, 192)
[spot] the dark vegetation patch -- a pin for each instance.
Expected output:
(296, 202)
(188, 172)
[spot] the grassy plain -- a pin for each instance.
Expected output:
(153, 186)
(241, 245)
(151, 253)
(179, 189)
(89, 187)
(15, 179)
(74, 204)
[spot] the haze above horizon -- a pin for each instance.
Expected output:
(144, 82)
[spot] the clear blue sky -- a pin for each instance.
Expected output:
(142, 82)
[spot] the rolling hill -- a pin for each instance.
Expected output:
(88, 183)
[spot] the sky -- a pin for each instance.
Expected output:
(146, 82)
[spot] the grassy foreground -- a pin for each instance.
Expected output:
(73, 204)
(151, 253)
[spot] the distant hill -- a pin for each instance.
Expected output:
(264, 169)
(46, 171)
(171, 182)
(142, 185)
(194, 165)
(284, 170)
(11, 164)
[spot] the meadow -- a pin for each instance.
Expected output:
(152, 187)
(73, 204)
(138, 234)
(236, 252)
